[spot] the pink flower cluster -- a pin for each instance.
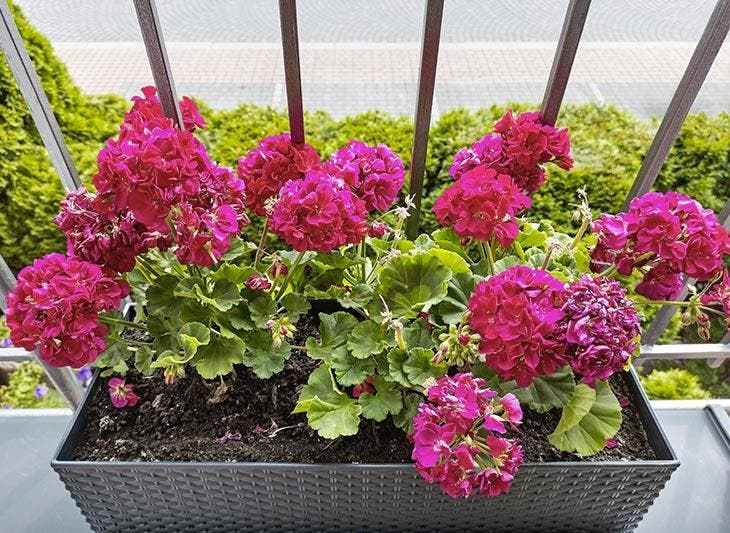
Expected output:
(601, 327)
(518, 148)
(457, 440)
(269, 166)
(518, 315)
(152, 177)
(319, 213)
(482, 204)
(112, 238)
(719, 295)
(55, 306)
(497, 173)
(121, 393)
(669, 232)
(375, 174)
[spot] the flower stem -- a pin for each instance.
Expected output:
(579, 235)
(681, 304)
(285, 282)
(120, 322)
(487, 250)
(262, 241)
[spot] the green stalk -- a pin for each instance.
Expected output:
(120, 322)
(262, 241)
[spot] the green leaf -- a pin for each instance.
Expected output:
(506, 262)
(413, 283)
(451, 260)
(239, 317)
(411, 369)
(396, 359)
(192, 335)
(261, 310)
(114, 354)
(233, 273)
(262, 357)
(552, 391)
(143, 360)
(295, 305)
(169, 358)
(237, 249)
(218, 356)
(367, 338)
(225, 295)
(589, 419)
(350, 370)
(334, 331)
(417, 335)
(358, 297)
(457, 297)
(330, 412)
(446, 239)
(419, 367)
(387, 399)
(530, 235)
(404, 419)
(161, 299)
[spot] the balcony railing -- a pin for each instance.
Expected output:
(699, 65)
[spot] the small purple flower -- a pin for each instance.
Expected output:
(6, 343)
(40, 391)
(611, 444)
(84, 374)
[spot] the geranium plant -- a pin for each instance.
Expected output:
(451, 337)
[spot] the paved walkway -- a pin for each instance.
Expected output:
(355, 59)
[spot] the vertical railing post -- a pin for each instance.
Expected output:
(422, 121)
(40, 108)
(692, 80)
(575, 19)
(63, 379)
(292, 69)
(154, 43)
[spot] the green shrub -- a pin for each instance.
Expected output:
(19, 392)
(673, 384)
(29, 187)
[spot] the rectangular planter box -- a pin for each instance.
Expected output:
(196, 497)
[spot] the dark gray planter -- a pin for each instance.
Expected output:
(196, 497)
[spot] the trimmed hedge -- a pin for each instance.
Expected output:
(29, 187)
(673, 384)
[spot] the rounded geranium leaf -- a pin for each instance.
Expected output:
(410, 284)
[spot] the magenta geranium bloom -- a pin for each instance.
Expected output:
(482, 204)
(55, 307)
(268, 167)
(601, 327)
(517, 314)
(121, 393)
(669, 232)
(319, 213)
(374, 173)
(453, 443)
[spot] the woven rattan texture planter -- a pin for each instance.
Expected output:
(198, 497)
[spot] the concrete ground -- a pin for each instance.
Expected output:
(361, 55)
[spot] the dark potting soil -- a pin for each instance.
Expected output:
(182, 422)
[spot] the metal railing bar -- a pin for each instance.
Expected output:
(685, 351)
(422, 121)
(40, 108)
(14, 355)
(63, 379)
(575, 19)
(699, 65)
(666, 312)
(292, 69)
(154, 44)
